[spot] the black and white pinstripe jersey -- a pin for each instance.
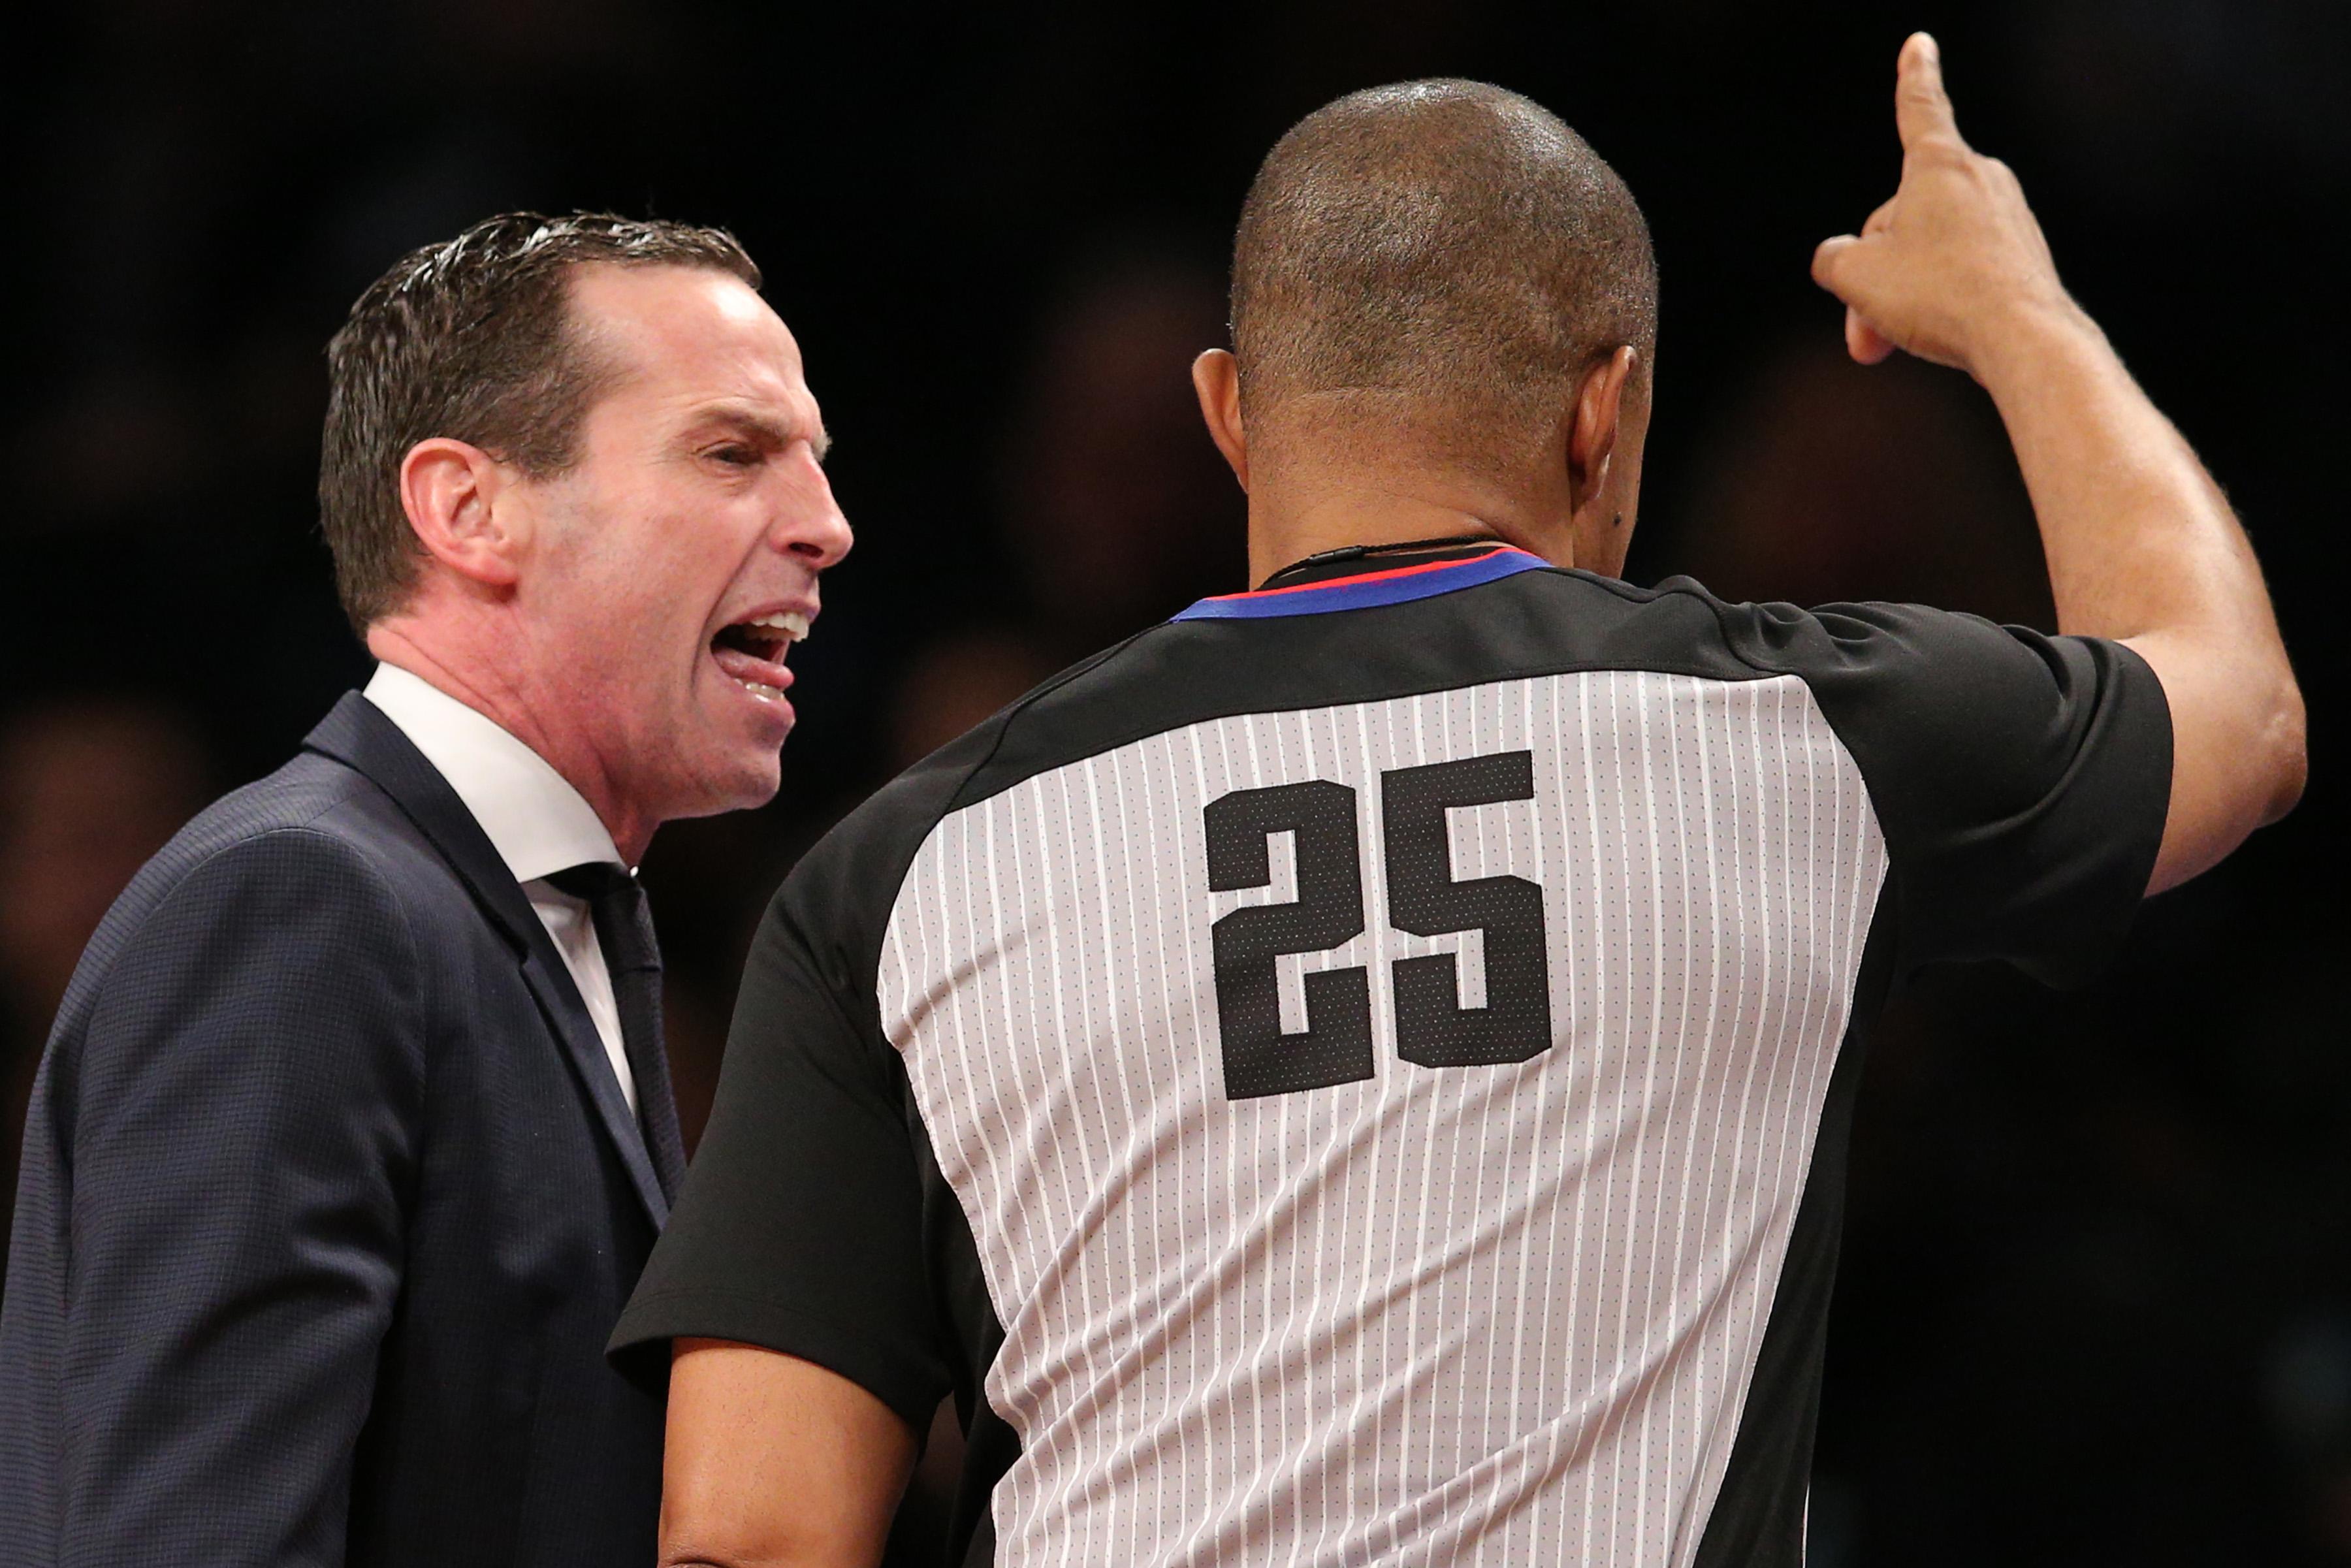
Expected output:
(1360, 1072)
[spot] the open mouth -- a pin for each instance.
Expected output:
(752, 652)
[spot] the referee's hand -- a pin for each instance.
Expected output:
(1955, 256)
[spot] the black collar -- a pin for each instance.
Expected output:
(1323, 566)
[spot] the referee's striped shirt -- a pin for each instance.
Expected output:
(1360, 1074)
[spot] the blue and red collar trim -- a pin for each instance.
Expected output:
(1398, 585)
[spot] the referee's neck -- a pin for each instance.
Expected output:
(1290, 521)
(1320, 475)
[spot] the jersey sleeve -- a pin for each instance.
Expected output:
(800, 1225)
(2022, 780)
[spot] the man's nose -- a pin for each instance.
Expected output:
(813, 528)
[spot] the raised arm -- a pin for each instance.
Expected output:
(2142, 546)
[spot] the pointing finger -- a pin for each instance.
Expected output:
(1922, 110)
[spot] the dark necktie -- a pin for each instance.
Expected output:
(624, 930)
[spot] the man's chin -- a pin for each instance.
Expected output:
(753, 782)
(739, 781)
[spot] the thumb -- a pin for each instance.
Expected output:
(1832, 262)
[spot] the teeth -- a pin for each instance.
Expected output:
(764, 693)
(790, 622)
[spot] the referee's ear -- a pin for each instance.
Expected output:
(1217, 377)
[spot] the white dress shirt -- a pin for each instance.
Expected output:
(536, 821)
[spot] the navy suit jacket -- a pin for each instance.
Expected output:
(330, 1199)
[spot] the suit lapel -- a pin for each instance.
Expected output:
(358, 734)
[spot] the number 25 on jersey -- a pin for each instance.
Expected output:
(1432, 1029)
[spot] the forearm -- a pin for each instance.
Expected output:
(2143, 548)
(2138, 537)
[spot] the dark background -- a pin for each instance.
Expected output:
(2095, 1302)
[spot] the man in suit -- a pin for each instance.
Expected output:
(354, 1130)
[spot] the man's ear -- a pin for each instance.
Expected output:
(452, 493)
(1595, 424)
(1217, 377)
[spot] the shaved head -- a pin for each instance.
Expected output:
(1445, 259)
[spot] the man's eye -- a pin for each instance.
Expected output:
(736, 456)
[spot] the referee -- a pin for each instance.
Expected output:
(1361, 1072)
